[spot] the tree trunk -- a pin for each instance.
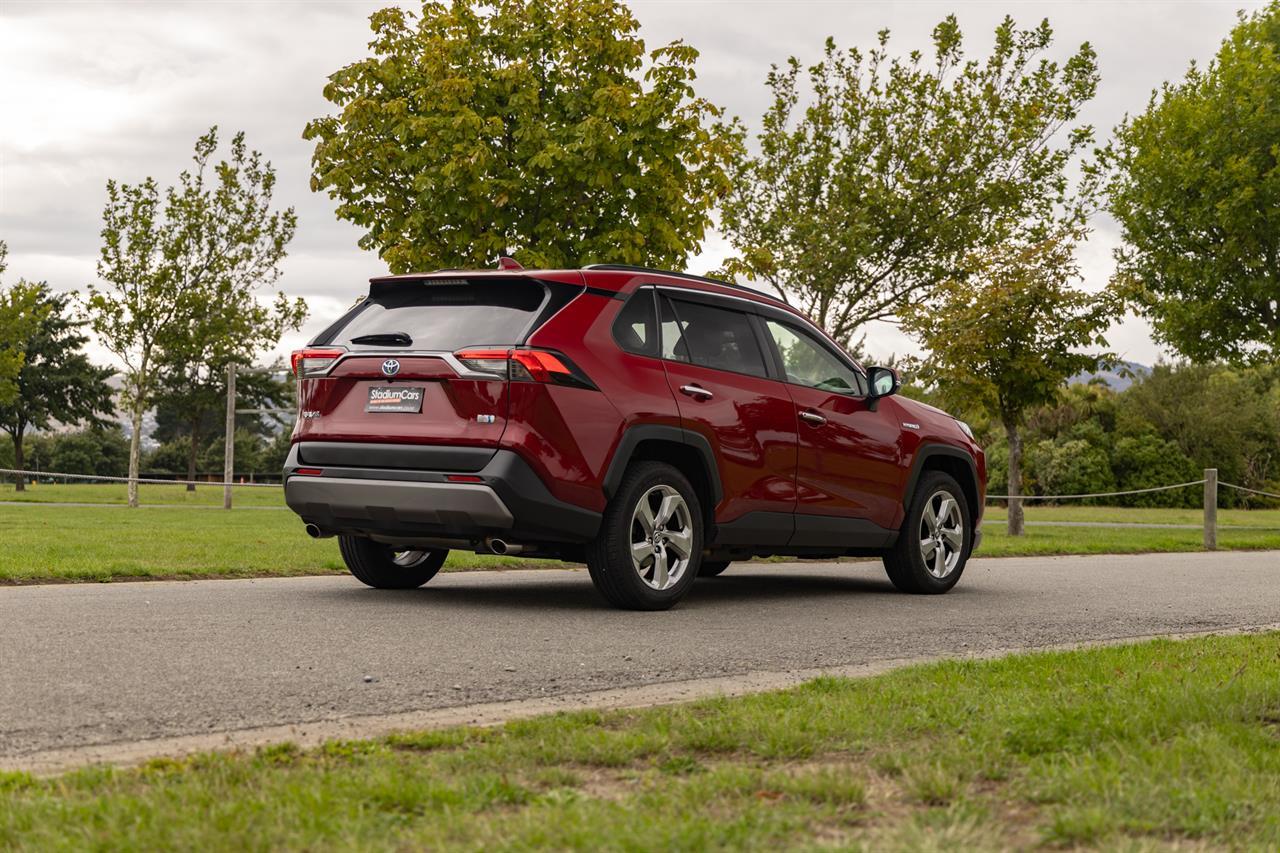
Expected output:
(135, 451)
(1015, 477)
(20, 480)
(191, 457)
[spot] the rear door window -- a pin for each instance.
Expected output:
(719, 338)
(442, 316)
(673, 345)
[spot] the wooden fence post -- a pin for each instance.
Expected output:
(1211, 509)
(228, 461)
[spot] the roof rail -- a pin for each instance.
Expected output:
(690, 276)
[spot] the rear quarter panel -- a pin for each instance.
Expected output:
(579, 430)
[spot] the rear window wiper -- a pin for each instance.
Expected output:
(385, 339)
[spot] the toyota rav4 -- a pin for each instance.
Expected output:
(655, 425)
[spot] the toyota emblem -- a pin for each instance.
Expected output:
(390, 367)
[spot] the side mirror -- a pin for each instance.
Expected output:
(883, 381)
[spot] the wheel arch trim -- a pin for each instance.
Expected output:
(929, 451)
(634, 435)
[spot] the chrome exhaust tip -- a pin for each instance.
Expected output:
(315, 532)
(502, 548)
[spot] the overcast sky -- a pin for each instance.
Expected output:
(97, 90)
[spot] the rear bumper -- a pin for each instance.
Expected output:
(405, 502)
(453, 505)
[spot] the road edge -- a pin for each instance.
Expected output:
(312, 734)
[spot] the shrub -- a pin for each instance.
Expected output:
(1070, 467)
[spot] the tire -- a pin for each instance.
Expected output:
(383, 567)
(712, 568)
(932, 569)
(639, 583)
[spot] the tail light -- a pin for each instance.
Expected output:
(526, 365)
(313, 361)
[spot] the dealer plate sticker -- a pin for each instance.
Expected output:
(394, 398)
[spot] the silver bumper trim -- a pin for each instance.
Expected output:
(459, 505)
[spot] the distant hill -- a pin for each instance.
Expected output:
(1117, 378)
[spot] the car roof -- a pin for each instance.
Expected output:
(616, 277)
(612, 277)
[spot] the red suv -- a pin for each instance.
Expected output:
(655, 425)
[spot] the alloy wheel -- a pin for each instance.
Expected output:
(408, 559)
(661, 537)
(941, 534)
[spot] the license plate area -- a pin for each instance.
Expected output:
(394, 398)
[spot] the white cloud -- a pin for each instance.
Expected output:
(97, 90)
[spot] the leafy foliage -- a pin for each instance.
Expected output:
(1071, 467)
(1165, 428)
(1219, 418)
(537, 128)
(56, 383)
(1005, 337)
(874, 186)
(1197, 193)
(20, 312)
(172, 457)
(255, 389)
(180, 273)
(230, 324)
(99, 449)
(1149, 461)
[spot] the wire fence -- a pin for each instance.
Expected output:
(1251, 491)
(1210, 483)
(1209, 524)
(58, 475)
(1096, 494)
(1201, 482)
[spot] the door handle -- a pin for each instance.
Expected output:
(696, 391)
(813, 418)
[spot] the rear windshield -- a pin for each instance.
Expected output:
(441, 316)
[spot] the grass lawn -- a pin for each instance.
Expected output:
(1161, 745)
(73, 543)
(1118, 540)
(51, 542)
(1045, 541)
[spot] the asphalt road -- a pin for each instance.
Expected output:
(91, 664)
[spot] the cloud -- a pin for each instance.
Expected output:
(92, 91)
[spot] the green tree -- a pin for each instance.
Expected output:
(181, 271)
(1008, 334)
(1148, 461)
(20, 312)
(539, 127)
(873, 186)
(232, 325)
(57, 383)
(1197, 194)
(191, 408)
(276, 451)
(248, 452)
(1217, 416)
(1073, 466)
(97, 450)
(169, 457)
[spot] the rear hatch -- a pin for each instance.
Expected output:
(419, 362)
